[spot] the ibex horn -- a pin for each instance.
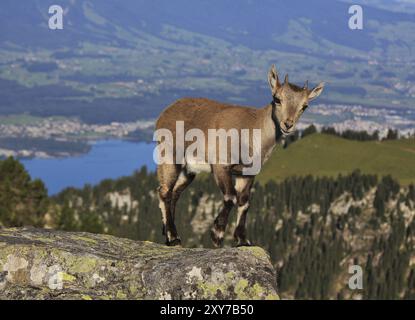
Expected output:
(286, 78)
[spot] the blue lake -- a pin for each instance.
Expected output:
(107, 159)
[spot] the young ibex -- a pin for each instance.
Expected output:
(276, 120)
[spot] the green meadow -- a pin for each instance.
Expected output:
(326, 155)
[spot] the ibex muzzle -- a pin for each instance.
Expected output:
(275, 120)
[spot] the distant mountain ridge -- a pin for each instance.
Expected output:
(249, 23)
(407, 6)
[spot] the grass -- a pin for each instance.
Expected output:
(25, 119)
(21, 119)
(325, 155)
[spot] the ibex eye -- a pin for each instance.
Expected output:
(277, 100)
(304, 107)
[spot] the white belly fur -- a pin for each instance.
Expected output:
(198, 167)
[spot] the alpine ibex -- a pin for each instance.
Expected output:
(276, 120)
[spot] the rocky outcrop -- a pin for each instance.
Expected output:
(46, 264)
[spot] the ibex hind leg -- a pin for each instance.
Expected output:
(223, 178)
(243, 186)
(183, 181)
(168, 175)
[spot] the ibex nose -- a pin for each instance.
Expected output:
(288, 124)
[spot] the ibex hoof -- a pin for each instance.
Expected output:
(217, 238)
(244, 243)
(173, 243)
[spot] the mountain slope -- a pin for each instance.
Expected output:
(313, 228)
(145, 54)
(325, 155)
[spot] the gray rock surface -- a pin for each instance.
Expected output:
(46, 264)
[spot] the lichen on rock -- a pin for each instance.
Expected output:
(47, 264)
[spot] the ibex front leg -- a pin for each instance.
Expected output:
(243, 187)
(168, 176)
(223, 178)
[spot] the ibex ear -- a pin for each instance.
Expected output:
(273, 80)
(316, 91)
